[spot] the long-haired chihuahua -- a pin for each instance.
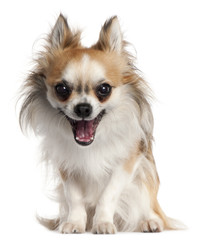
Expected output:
(92, 110)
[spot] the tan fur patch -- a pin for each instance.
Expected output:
(111, 62)
(152, 187)
(63, 175)
(129, 163)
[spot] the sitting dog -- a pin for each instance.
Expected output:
(92, 111)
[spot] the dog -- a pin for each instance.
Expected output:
(91, 108)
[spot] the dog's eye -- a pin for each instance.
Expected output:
(103, 90)
(63, 91)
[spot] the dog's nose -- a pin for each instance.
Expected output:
(83, 110)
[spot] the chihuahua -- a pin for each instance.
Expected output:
(92, 111)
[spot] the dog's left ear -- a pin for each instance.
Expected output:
(110, 38)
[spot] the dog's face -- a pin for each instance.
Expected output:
(85, 88)
(85, 83)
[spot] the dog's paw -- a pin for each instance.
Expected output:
(66, 227)
(104, 228)
(152, 225)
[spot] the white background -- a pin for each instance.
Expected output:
(164, 34)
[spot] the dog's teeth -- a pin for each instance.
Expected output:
(77, 138)
(91, 138)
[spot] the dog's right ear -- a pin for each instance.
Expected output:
(61, 35)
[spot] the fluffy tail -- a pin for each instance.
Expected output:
(169, 223)
(173, 224)
(51, 224)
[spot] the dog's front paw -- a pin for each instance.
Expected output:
(104, 228)
(153, 225)
(67, 227)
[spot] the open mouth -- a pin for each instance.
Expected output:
(84, 130)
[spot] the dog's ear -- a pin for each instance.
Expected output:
(61, 36)
(110, 38)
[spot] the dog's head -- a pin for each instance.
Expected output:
(82, 82)
(86, 84)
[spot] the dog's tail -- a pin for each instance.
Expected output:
(51, 224)
(169, 223)
(174, 224)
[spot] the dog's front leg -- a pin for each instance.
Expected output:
(105, 209)
(77, 217)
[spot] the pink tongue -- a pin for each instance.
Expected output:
(84, 130)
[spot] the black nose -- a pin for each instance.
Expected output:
(83, 110)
